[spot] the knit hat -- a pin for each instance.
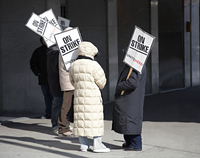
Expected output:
(87, 49)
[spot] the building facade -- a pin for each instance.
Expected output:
(109, 24)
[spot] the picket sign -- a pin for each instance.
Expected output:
(64, 23)
(42, 28)
(68, 42)
(50, 17)
(139, 49)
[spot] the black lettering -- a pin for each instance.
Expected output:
(147, 48)
(142, 47)
(53, 22)
(132, 43)
(41, 26)
(62, 22)
(66, 47)
(62, 49)
(131, 57)
(70, 45)
(77, 42)
(35, 23)
(141, 39)
(67, 39)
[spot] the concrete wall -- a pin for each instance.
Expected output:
(128, 16)
(19, 90)
(171, 44)
(91, 18)
(107, 24)
(195, 43)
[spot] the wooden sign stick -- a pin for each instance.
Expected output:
(130, 71)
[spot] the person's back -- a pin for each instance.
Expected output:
(88, 78)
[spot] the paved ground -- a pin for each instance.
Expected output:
(171, 129)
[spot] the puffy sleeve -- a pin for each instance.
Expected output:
(99, 76)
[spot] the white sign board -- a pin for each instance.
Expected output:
(139, 49)
(64, 23)
(68, 42)
(50, 17)
(42, 28)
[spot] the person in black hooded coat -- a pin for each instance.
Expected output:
(128, 108)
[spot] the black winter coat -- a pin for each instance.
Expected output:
(38, 64)
(53, 71)
(128, 109)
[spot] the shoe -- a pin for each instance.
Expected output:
(132, 149)
(68, 133)
(46, 116)
(84, 150)
(102, 150)
(55, 130)
(125, 145)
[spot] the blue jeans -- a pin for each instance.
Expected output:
(47, 98)
(56, 107)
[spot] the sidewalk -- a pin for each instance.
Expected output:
(171, 129)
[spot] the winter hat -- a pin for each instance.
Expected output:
(87, 49)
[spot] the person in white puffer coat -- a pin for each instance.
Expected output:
(88, 78)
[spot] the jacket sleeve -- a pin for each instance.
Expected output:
(34, 63)
(131, 83)
(71, 72)
(99, 76)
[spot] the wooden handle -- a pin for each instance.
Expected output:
(130, 71)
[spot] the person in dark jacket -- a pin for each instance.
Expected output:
(128, 108)
(38, 66)
(54, 84)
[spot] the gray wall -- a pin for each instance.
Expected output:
(19, 90)
(131, 13)
(90, 17)
(195, 43)
(171, 44)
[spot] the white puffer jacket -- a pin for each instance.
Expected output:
(87, 77)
